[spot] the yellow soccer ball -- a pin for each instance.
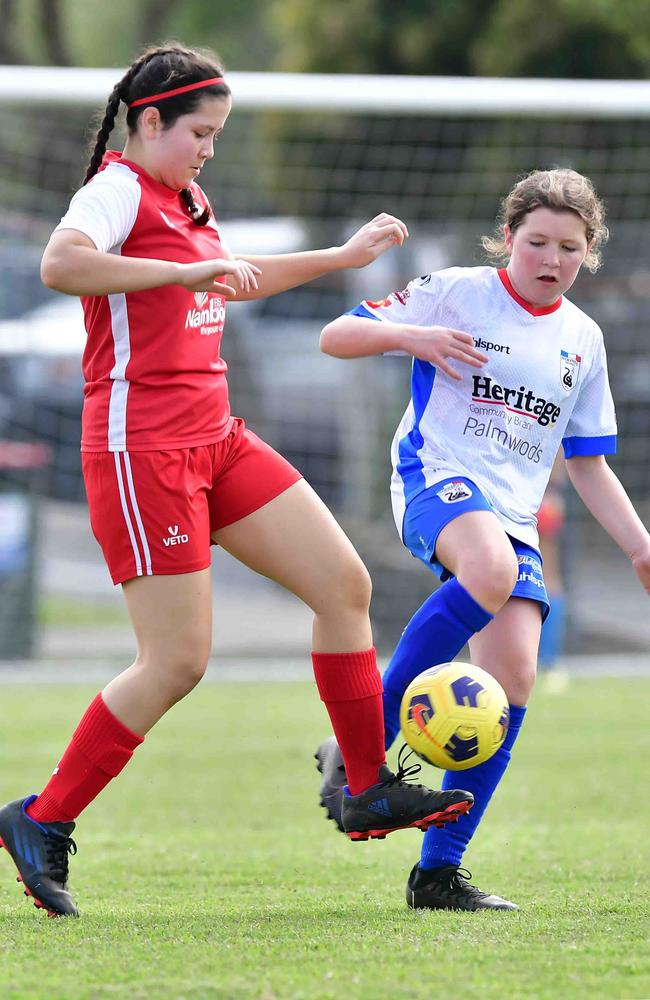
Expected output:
(454, 715)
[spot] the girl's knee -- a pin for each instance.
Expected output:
(355, 586)
(490, 577)
(175, 672)
(520, 683)
(349, 589)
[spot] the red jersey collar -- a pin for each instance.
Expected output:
(114, 156)
(528, 306)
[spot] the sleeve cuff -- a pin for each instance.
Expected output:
(575, 447)
(361, 310)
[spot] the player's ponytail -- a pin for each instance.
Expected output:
(199, 215)
(172, 78)
(120, 92)
(105, 129)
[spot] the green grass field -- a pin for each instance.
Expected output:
(207, 870)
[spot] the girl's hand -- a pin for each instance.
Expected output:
(438, 343)
(203, 276)
(641, 565)
(369, 242)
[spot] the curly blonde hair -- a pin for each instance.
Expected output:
(562, 190)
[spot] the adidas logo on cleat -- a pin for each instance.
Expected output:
(380, 806)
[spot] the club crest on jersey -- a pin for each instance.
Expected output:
(569, 364)
(454, 491)
(378, 303)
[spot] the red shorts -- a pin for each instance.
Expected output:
(153, 512)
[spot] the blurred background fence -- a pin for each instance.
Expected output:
(301, 165)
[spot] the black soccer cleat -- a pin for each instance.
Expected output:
(395, 804)
(331, 766)
(40, 853)
(448, 888)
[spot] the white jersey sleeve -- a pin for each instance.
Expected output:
(106, 208)
(591, 429)
(417, 304)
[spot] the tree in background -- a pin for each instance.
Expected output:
(563, 38)
(95, 33)
(43, 22)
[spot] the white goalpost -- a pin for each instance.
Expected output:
(355, 93)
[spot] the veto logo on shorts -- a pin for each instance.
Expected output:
(453, 492)
(174, 537)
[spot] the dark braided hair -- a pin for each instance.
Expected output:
(155, 71)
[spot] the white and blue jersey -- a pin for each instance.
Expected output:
(545, 384)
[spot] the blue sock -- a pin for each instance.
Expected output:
(446, 846)
(435, 634)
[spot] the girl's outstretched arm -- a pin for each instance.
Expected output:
(359, 337)
(72, 264)
(603, 494)
(283, 271)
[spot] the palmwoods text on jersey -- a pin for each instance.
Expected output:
(209, 315)
(517, 408)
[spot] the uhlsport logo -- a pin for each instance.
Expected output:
(491, 345)
(530, 571)
(454, 491)
(209, 315)
(569, 369)
(174, 537)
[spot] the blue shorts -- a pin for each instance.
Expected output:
(431, 510)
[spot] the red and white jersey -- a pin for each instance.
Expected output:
(155, 379)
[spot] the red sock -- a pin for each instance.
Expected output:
(350, 686)
(100, 747)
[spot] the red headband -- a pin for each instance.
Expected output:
(179, 90)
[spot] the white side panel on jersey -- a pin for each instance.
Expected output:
(120, 386)
(105, 210)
